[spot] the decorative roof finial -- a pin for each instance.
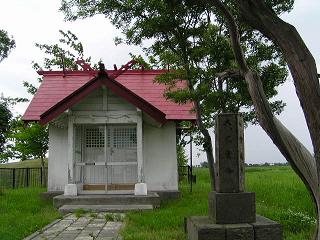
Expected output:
(101, 67)
(102, 70)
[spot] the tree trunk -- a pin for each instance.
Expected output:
(299, 60)
(207, 144)
(204, 131)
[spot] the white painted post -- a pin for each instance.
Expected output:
(70, 149)
(140, 188)
(139, 146)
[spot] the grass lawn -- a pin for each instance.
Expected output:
(22, 212)
(280, 195)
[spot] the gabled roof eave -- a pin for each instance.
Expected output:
(93, 84)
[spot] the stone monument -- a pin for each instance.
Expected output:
(232, 211)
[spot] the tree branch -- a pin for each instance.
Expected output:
(296, 154)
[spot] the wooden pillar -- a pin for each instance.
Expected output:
(140, 146)
(70, 149)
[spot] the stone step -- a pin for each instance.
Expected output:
(107, 199)
(105, 208)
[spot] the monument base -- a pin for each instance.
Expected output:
(232, 208)
(203, 228)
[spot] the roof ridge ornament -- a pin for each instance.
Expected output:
(117, 72)
(85, 66)
(102, 70)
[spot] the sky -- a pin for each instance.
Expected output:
(38, 21)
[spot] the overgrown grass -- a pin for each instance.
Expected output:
(282, 197)
(22, 212)
(280, 194)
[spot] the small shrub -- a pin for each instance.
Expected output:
(118, 218)
(79, 212)
(296, 221)
(93, 215)
(109, 217)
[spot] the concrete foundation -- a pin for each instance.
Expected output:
(231, 208)
(169, 195)
(50, 194)
(70, 190)
(140, 189)
(107, 199)
(203, 228)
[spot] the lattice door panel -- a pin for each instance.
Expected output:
(94, 148)
(123, 160)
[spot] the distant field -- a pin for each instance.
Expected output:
(280, 194)
(25, 164)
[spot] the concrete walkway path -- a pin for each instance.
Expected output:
(89, 226)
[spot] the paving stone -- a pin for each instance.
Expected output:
(72, 231)
(89, 233)
(83, 228)
(74, 228)
(66, 236)
(84, 238)
(95, 225)
(70, 216)
(106, 233)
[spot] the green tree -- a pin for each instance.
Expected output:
(261, 17)
(304, 72)
(6, 44)
(5, 117)
(30, 142)
(59, 56)
(189, 38)
(181, 155)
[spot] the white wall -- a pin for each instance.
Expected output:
(160, 156)
(58, 162)
(159, 142)
(103, 100)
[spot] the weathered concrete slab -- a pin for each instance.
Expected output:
(225, 208)
(239, 231)
(105, 208)
(203, 228)
(107, 199)
(169, 194)
(229, 138)
(265, 229)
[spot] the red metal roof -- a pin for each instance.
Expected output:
(58, 92)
